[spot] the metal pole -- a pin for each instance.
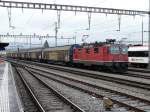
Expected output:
(56, 31)
(142, 31)
(75, 37)
(30, 41)
(149, 37)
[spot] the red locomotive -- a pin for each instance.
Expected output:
(103, 56)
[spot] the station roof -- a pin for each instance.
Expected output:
(4, 44)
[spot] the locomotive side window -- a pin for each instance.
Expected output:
(80, 50)
(87, 50)
(96, 50)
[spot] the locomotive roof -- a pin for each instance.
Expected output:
(100, 45)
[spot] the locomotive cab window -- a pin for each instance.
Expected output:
(96, 50)
(74, 51)
(79, 50)
(124, 50)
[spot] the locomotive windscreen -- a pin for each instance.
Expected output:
(117, 49)
(124, 50)
(114, 50)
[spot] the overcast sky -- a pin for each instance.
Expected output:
(103, 26)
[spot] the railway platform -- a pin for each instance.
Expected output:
(9, 98)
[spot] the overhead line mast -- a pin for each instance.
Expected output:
(44, 6)
(149, 37)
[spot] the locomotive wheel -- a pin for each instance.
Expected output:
(100, 68)
(122, 68)
(94, 67)
(118, 68)
(113, 69)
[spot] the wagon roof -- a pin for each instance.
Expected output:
(35, 50)
(58, 48)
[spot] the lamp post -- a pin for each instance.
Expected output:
(75, 37)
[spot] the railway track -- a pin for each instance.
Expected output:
(86, 101)
(119, 86)
(27, 102)
(131, 102)
(133, 72)
(125, 79)
(139, 70)
(138, 74)
(46, 97)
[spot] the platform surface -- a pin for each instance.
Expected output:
(9, 100)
